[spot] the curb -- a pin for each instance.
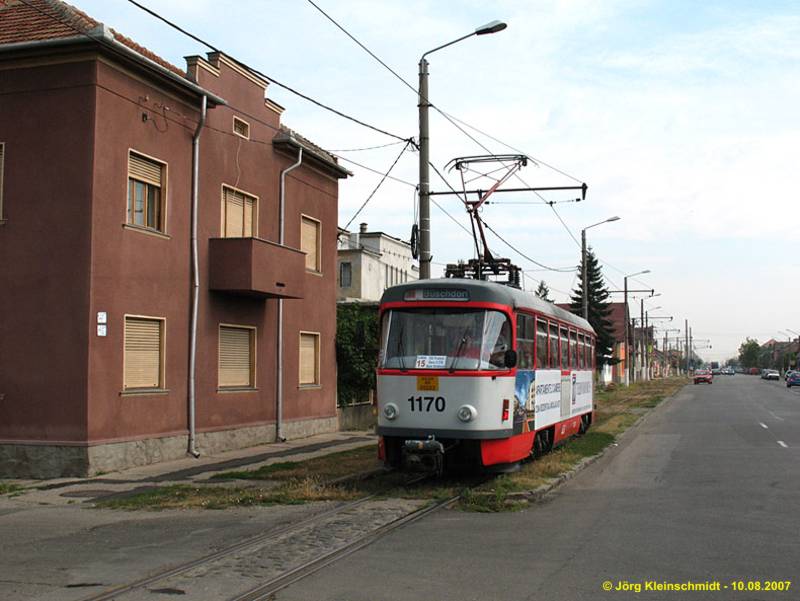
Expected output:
(537, 494)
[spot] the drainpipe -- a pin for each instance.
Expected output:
(281, 222)
(195, 280)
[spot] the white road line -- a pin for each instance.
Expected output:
(775, 416)
(763, 425)
(783, 444)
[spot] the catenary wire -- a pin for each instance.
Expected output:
(267, 77)
(383, 179)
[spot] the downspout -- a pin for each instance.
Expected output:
(281, 223)
(195, 280)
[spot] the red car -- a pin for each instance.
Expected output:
(703, 375)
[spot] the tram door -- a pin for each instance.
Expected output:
(566, 380)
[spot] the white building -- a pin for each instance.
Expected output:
(369, 262)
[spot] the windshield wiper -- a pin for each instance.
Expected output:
(459, 350)
(400, 348)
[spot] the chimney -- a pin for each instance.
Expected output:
(362, 228)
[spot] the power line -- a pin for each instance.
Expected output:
(383, 179)
(524, 256)
(266, 77)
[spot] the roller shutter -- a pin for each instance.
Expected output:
(144, 169)
(143, 348)
(236, 366)
(309, 243)
(309, 359)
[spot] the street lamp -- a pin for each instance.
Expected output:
(583, 264)
(424, 150)
(628, 362)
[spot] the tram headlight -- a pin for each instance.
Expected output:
(466, 413)
(390, 411)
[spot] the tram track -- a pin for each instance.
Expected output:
(275, 534)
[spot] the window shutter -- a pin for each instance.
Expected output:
(144, 170)
(142, 353)
(235, 357)
(247, 226)
(308, 359)
(308, 243)
(234, 214)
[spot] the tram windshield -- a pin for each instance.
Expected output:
(453, 339)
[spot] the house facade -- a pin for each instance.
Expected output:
(371, 262)
(167, 254)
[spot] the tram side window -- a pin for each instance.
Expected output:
(524, 342)
(541, 344)
(564, 348)
(590, 354)
(581, 351)
(573, 348)
(554, 357)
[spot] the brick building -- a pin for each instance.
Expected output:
(104, 151)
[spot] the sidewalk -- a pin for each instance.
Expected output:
(184, 471)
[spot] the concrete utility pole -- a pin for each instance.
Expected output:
(424, 150)
(688, 351)
(642, 341)
(584, 270)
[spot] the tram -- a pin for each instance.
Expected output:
(476, 373)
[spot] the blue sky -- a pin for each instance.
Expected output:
(681, 116)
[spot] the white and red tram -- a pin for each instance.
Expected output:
(475, 373)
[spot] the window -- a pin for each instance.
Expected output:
(309, 243)
(309, 359)
(237, 366)
(345, 275)
(239, 214)
(573, 348)
(541, 344)
(564, 348)
(145, 192)
(554, 361)
(2, 161)
(144, 353)
(581, 351)
(525, 335)
(241, 128)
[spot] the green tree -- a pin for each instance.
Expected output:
(543, 292)
(749, 353)
(357, 340)
(599, 308)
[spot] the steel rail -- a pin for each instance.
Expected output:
(266, 591)
(252, 541)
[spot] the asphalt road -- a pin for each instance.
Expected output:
(706, 489)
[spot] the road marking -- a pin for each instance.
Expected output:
(763, 425)
(775, 416)
(783, 444)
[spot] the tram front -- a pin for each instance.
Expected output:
(445, 373)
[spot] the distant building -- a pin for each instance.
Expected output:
(370, 262)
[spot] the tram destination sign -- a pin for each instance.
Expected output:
(436, 294)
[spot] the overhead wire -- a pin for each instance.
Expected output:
(383, 179)
(265, 76)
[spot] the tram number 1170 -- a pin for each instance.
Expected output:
(418, 402)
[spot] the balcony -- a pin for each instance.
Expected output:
(255, 267)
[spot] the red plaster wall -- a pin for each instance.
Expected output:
(46, 122)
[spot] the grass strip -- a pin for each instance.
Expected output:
(9, 488)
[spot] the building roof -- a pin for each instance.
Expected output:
(40, 20)
(29, 21)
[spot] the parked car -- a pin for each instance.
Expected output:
(703, 375)
(772, 374)
(793, 379)
(789, 373)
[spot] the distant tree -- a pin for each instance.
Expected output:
(749, 353)
(543, 292)
(599, 308)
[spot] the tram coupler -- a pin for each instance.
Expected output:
(424, 455)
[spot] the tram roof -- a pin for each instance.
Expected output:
(488, 292)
